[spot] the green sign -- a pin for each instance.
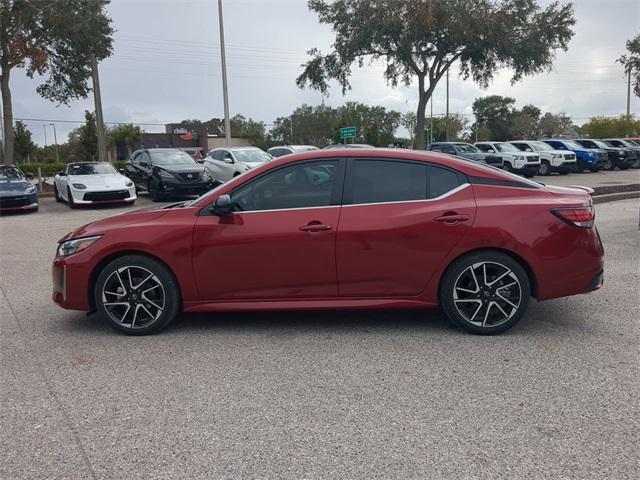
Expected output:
(348, 132)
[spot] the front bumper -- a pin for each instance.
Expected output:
(184, 188)
(19, 203)
(109, 196)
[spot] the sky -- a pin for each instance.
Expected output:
(166, 67)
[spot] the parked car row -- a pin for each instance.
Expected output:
(165, 172)
(543, 157)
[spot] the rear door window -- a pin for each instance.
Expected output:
(384, 181)
(442, 181)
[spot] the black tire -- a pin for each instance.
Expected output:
(544, 169)
(507, 167)
(624, 167)
(497, 314)
(607, 166)
(70, 198)
(167, 297)
(579, 167)
(154, 191)
(56, 195)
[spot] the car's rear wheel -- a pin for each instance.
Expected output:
(137, 295)
(485, 293)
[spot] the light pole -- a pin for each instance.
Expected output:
(55, 140)
(44, 127)
(225, 92)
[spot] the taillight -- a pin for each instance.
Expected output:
(582, 217)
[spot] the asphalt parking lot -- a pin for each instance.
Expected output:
(384, 394)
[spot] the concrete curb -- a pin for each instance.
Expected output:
(612, 197)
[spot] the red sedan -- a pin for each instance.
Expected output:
(329, 229)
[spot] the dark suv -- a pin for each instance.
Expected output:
(167, 171)
(468, 151)
(618, 157)
(632, 149)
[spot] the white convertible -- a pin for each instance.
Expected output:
(86, 183)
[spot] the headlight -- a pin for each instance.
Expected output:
(591, 154)
(76, 245)
(622, 154)
(31, 189)
(556, 155)
(164, 174)
(518, 157)
(79, 186)
(129, 184)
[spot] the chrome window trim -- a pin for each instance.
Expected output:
(445, 195)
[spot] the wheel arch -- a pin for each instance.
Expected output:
(113, 256)
(521, 261)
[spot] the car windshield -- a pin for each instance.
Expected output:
(506, 147)
(252, 156)
(171, 157)
(466, 148)
(541, 146)
(90, 169)
(10, 173)
(627, 143)
(573, 146)
(600, 144)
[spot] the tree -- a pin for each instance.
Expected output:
(559, 125)
(455, 125)
(421, 39)
(631, 62)
(408, 121)
(128, 135)
(374, 125)
(57, 38)
(611, 127)
(252, 130)
(525, 122)
(494, 112)
(83, 141)
(24, 146)
(306, 125)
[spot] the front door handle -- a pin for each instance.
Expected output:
(315, 227)
(452, 217)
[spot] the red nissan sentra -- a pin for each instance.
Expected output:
(334, 229)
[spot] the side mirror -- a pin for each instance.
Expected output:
(144, 164)
(528, 150)
(29, 175)
(222, 206)
(491, 150)
(62, 173)
(122, 171)
(228, 159)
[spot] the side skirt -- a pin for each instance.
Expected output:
(313, 304)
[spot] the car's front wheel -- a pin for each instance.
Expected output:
(485, 292)
(544, 169)
(137, 295)
(56, 194)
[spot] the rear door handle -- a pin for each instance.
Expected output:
(452, 218)
(316, 227)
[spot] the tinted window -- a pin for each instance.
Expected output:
(172, 157)
(380, 181)
(447, 149)
(484, 148)
(90, 169)
(308, 184)
(143, 158)
(442, 181)
(521, 146)
(586, 143)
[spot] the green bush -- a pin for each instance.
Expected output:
(50, 169)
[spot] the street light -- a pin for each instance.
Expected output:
(44, 127)
(55, 139)
(225, 93)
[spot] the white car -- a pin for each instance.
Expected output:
(287, 149)
(225, 163)
(551, 160)
(525, 163)
(86, 183)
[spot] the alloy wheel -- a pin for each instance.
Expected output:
(133, 297)
(487, 294)
(543, 169)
